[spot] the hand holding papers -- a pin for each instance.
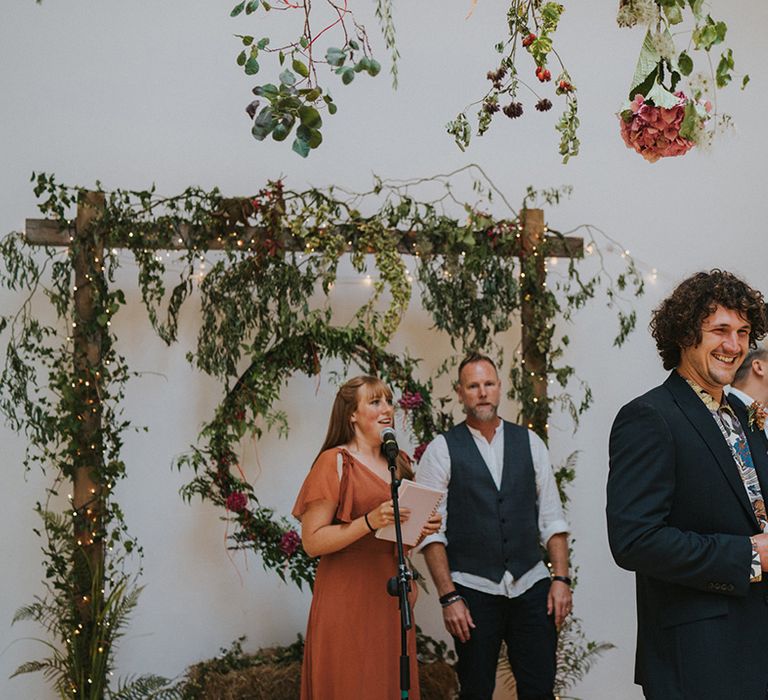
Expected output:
(422, 501)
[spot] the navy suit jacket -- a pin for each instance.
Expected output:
(679, 517)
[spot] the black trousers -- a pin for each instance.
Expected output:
(530, 636)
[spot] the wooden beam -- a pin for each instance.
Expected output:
(48, 232)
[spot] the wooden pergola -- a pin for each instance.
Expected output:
(88, 338)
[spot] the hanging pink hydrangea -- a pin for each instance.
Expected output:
(289, 542)
(237, 501)
(654, 132)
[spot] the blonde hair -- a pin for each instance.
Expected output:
(340, 428)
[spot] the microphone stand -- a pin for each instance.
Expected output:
(399, 586)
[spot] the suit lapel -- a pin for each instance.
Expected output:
(758, 443)
(699, 416)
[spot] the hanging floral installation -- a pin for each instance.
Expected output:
(672, 104)
(273, 253)
(672, 107)
(527, 52)
(297, 98)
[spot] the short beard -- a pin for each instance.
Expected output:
(482, 418)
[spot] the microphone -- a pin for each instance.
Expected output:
(389, 444)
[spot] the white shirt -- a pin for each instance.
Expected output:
(435, 471)
(745, 399)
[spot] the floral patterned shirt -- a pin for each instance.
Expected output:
(733, 433)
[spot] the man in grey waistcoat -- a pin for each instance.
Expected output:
(486, 561)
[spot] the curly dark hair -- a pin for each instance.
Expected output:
(676, 322)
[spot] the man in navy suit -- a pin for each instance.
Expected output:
(685, 502)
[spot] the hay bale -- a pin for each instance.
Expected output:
(269, 675)
(262, 682)
(438, 681)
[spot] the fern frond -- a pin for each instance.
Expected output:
(148, 687)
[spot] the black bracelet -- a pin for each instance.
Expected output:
(565, 579)
(368, 524)
(448, 596)
(453, 599)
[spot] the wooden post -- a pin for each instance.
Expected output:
(87, 445)
(531, 287)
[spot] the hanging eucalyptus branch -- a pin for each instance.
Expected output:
(296, 99)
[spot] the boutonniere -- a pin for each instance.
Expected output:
(756, 415)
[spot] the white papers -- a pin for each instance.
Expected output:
(422, 501)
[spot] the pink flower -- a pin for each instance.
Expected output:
(237, 501)
(654, 132)
(289, 542)
(419, 451)
(411, 400)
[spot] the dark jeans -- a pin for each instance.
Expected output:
(530, 636)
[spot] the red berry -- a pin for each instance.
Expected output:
(527, 41)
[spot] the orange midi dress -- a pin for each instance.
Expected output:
(352, 649)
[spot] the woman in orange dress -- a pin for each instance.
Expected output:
(352, 648)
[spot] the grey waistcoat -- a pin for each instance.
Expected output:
(492, 530)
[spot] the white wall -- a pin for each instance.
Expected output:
(143, 92)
